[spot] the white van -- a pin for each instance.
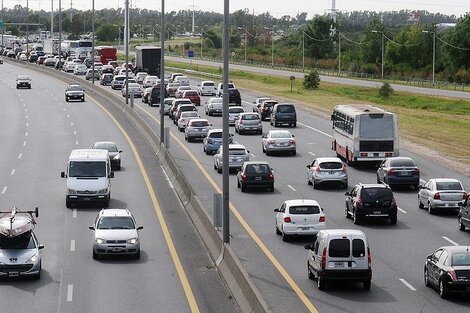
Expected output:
(88, 177)
(182, 80)
(340, 254)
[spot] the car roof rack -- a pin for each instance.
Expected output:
(15, 222)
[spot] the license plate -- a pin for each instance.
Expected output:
(117, 249)
(304, 228)
(339, 264)
(404, 174)
(377, 212)
(450, 204)
(258, 178)
(13, 274)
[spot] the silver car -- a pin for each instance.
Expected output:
(441, 193)
(214, 106)
(327, 170)
(237, 155)
(248, 122)
(278, 141)
(196, 129)
(233, 113)
(115, 233)
(167, 105)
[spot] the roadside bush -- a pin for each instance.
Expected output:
(462, 76)
(385, 91)
(312, 80)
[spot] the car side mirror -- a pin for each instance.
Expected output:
(140, 227)
(293, 136)
(40, 247)
(420, 187)
(429, 257)
(120, 151)
(309, 166)
(347, 193)
(308, 247)
(111, 175)
(247, 151)
(276, 210)
(62, 174)
(91, 227)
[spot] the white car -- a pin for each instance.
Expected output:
(299, 217)
(441, 194)
(277, 140)
(98, 66)
(123, 72)
(134, 89)
(69, 66)
(233, 113)
(237, 155)
(207, 87)
(80, 69)
(327, 170)
(184, 119)
(140, 76)
(214, 106)
(149, 81)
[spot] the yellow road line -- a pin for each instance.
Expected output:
(247, 227)
(171, 246)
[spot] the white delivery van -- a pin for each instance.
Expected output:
(88, 177)
(339, 254)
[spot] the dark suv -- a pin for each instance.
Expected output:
(371, 200)
(464, 214)
(234, 96)
(154, 98)
(283, 113)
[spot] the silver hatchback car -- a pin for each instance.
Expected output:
(196, 129)
(115, 233)
(248, 122)
(278, 141)
(327, 170)
(237, 155)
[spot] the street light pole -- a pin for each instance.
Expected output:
(339, 54)
(272, 50)
(433, 52)
(202, 34)
(60, 31)
(27, 27)
(245, 45)
(303, 51)
(225, 131)
(52, 18)
(162, 74)
(126, 44)
(92, 43)
(382, 50)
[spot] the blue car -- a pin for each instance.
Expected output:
(213, 141)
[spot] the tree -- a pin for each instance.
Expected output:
(318, 41)
(312, 80)
(107, 32)
(459, 37)
(371, 50)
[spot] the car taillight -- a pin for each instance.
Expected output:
(416, 171)
(464, 196)
(271, 176)
(317, 169)
(270, 141)
(390, 172)
(437, 196)
(292, 141)
(359, 202)
(323, 259)
(344, 168)
(287, 219)
(452, 275)
(369, 258)
(244, 177)
(322, 219)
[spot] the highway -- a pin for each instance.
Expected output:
(277, 268)
(38, 130)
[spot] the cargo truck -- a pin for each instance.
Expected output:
(147, 59)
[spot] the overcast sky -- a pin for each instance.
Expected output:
(276, 8)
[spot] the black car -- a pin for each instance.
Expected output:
(33, 58)
(106, 79)
(255, 174)
(234, 96)
(283, 114)
(398, 171)
(74, 92)
(114, 153)
(371, 201)
(448, 269)
(464, 214)
(155, 95)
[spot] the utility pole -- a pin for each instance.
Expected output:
(225, 130)
(52, 18)
(126, 45)
(60, 31)
(339, 53)
(92, 41)
(162, 75)
(27, 28)
(3, 27)
(303, 51)
(192, 29)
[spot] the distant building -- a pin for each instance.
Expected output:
(442, 26)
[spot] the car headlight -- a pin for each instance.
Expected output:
(100, 241)
(33, 259)
(103, 191)
(71, 191)
(117, 157)
(133, 241)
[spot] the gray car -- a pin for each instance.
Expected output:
(196, 129)
(248, 122)
(212, 142)
(115, 233)
(327, 170)
(278, 141)
(441, 193)
(237, 155)
(114, 152)
(233, 114)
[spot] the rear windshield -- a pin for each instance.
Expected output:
(119, 78)
(339, 248)
(281, 134)
(187, 108)
(87, 169)
(216, 135)
(190, 93)
(208, 84)
(359, 248)
(106, 146)
(257, 169)
(199, 123)
(304, 209)
(116, 222)
(448, 185)
(237, 151)
(331, 165)
(461, 259)
(372, 194)
(251, 117)
(286, 109)
(236, 110)
(189, 114)
(402, 162)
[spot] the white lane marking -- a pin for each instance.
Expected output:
(253, 155)
(71, 123)
(68, 115)
(27, 124)
(24, 143)
(312, 153)
(69, 293)
(407, 284)
(76, 142)
(450, 240)
(401, 210)
(422, 181)
(74, 213)
(26, 134)
(4, 190)
(65, 109)
(74, 132)
(13, 172)
(27, 116)
(167, 178)
(315, 129)
(72, 245)
(20, 155)
(26, 110)
(292, 188)
(60, 103)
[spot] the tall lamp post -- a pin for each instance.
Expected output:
(303, 51)
(162, 74)
(339, 54)
(382, 35)
(433, 52)
(225, 131)
(92, 43)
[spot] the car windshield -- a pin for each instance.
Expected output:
(286, 109)
(106, 146)
(281, 134)
(199, 123)
(189, 114)
(75, 88)
(371, 194)
(250, 117)
(24, 241)
(115, 222)
(236, 110)
(216, 135)
(448, 185)
(23, 77)
(238, 151)
(402, 163)
(331, 165)
(257, 169)
(304, 209)
(190, 93)
(87, 169)
(461, 259)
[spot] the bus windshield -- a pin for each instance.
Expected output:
(380, 127)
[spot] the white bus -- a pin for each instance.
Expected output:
(364, 133)
(80, 49)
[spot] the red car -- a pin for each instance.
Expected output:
(193, 96)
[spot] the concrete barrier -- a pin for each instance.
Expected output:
(235, 276)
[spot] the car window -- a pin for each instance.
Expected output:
(87, 169)
(436, 255)
(304, 209)
(236, 110)
(216, 135)
(315, 246)
(106, 146)
(283, 208)
(448, 185)
(199, 123)
(331, 165)
(250, 117)
(402, 162)
(443, 257)
(24, 241)
(372, 194)
(208, 84)
(115, 222)
(461, 259)
(339, 248)
(359, 248)
(285, 109)
(281, 134)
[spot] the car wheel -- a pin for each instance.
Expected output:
(243, 187)
(420, 204)
(238, 182)
(356, 219)
(262, 147)
(427, 283)
(137, 255)
(321, 283)
(443, 292)
(461, 226)
(219, 169)
(294, 152)
(285, 237)
(68, 204)
(309, 182)
(378, 180)
(96, 256)
(393, 219)
(83, 99)
(309, 272)
(315, 185)
(278, 232)
(271, 188)
(366, 284)
(346, 212)
(66, 99)
(345, 186)
(431, 210)
(268, 152)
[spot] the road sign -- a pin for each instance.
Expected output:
(190, 54)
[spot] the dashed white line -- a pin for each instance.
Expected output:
(407, 284)
(20, 155)
(24, 143)
(27, 116)
(4, 189)
(72, 245)
(26, 110)
(26, 134)
(313, 154)
(292, 188)
(69, 293)
(27, 124)
(253, 155)
(450, 240)
(71, 123)
(12, 172)
(65, 109)
(76, 142)
(74, 132)
(68, 115)
(74, 213)
(401, 210)
(315, 129)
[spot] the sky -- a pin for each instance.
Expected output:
(276, 8)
